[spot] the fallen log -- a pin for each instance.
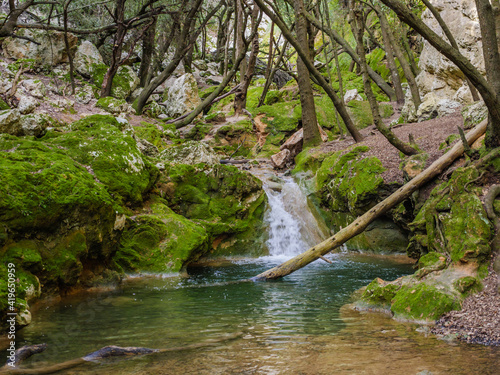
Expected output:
(360, 224)
(103, 353)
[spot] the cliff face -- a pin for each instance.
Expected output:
(439, 75)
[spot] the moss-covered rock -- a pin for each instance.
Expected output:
(350, 181)
(114, 106)
(160, 241)
(190, 152)
(111, 155)
(423, 302)
(453, 221)
(56, 218)
(227, 202)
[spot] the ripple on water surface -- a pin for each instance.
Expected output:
(290, 324)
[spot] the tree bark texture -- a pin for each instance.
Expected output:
(312, 137)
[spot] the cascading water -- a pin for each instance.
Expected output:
(292, 226)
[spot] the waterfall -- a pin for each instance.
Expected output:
(292, 227)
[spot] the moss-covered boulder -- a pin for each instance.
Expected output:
(450, 239)
(227, 202)
(56, 218)
(160, 241)
(98, 143)
(344, 185)
(349, 181)
(453, 221)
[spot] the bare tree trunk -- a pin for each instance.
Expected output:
(240, 32)
(68, 49)
(148, 47)
(119, 16)
(379, 81)
(356, 21)
(391, 62)
(492, 64)
(312, 137)
(269, 79)
(240, 97)
(412, 83)
(270, 57)
(360, 224)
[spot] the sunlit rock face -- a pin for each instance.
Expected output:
(439, 75)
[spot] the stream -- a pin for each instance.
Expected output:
(297, 325)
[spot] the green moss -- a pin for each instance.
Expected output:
(349, 181)
(273, 96)
(224, 200)
(325, 112)
(422, 302)
(454, 218)
(123, 82)
(467, 284)
(362, 114)
(160, 242)
(41, 184)
(112, 105)
(98, 142)
(309, 161)
(378, 294)
(3, 105)
(429, 259)
(152, 134)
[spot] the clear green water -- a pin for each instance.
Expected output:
(289, 325)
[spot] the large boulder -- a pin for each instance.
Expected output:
(86, 55)
(439, 75)
(50, 52)
(192, 153)
(182, 97)
(159, 240)
(13, 123)
(227, 202)
(433, 106)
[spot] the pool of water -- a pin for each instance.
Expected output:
(290, 326)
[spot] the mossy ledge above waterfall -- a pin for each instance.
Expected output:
(82, 205)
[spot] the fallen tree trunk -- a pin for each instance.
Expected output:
(103, 353)
(360, 224)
